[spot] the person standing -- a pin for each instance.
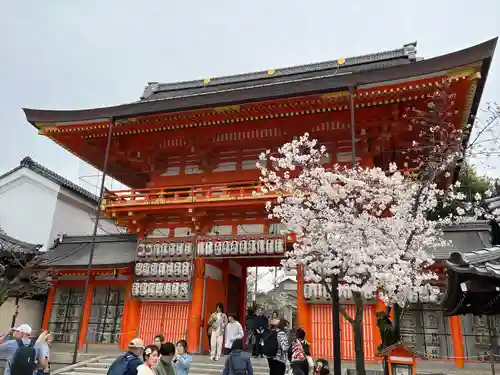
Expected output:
(165, 365)
(260, 325)
(299, 353)
(275, 347)
(17, 348)
(128, 363)
(217, 323)
(182, 360)
(150, 360)
(42, 347)
(238, 362)
(234, 331)
(159, 340)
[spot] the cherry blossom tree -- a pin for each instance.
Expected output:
(371, 228)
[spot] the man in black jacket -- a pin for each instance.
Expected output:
(260, 325)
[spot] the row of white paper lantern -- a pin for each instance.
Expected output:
(171, 249)
(164, 269)
(161, 290)
(242, 247)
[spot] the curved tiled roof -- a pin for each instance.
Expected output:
(404, 55)
(483, 262)
(39, 169)
(10, 243)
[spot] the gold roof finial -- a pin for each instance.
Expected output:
(206, 81)
(341, 61)
(271, 72)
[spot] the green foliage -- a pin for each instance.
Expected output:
(471, 184)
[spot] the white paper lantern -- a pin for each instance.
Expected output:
(154, 269)
(307, 291)
(160, 289)
(175, 290)
(218, 248)
(252, 247)
(151, 289)
(270, 246)
(200, 248)
(149, 250)
(226, 248)
(179, 249)
(138, 269)
(186, 269)
(164, 249)
(171, 249)
(168, 290)
(318, 291)
(209, 248)
(157, 250)
(184, 290)
(261, 246)
(135, 289)
(162, 269)
(170, 269)
(188, 249)
(141, 250)
(243, 248)
(326, 295)
(143, 289)
(234, 247)
(146, 267)
(279, 246)
(177, 269)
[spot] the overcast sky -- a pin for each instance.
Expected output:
(72, 54)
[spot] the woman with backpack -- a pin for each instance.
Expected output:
(238, 362)
(299, 355)
(275, 347)
(42, 347)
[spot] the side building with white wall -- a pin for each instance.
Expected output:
(37, 205)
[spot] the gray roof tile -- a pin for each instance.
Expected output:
(7, 242)
(482, 262)
(403, 55)
(75, 251)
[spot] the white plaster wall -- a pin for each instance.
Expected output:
(30, 312)
(27, 205)
(74, 215)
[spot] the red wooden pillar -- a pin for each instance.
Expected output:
(87, 307)
(195, 319)
(48, 307)
(303, 309)
(243, 296)
(457, 340)
(225, 280)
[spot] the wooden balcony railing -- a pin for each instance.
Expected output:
(183, 195)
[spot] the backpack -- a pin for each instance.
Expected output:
(24, 360)
(235, 371)
(270, 344)
(119, 366)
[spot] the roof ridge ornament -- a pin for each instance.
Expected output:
(410, 50)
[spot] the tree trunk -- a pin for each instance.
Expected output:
(397, 321)
(357, 326)
(334, 292)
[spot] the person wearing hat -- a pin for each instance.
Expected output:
(127, 363)
(9, 343)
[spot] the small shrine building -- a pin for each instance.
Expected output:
(188, 152)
